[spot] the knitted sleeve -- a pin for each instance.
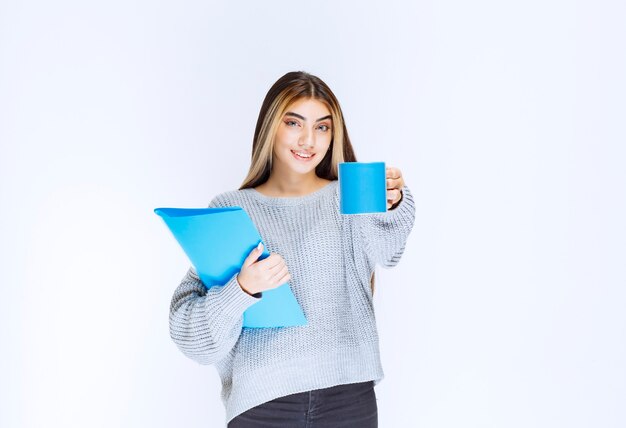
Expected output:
(384, 235)
(205, 324)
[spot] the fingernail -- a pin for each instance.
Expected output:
(258, 247)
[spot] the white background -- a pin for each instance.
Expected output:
(507, 119)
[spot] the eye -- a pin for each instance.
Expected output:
(324, 128)
(291, 122)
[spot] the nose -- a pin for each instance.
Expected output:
(306, 138)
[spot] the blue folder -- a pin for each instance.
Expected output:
(217, 241)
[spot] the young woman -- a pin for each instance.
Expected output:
(322, 373)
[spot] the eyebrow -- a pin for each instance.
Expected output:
(290, 113)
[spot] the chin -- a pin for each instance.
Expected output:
(304, 171)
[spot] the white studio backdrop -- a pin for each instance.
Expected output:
(506, 118)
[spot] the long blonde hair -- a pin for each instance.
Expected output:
(291, 87)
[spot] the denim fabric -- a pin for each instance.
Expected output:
(342, 406)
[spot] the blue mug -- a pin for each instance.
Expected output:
(362, 187)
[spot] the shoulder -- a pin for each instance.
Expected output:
(229, 198)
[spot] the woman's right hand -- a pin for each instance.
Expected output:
(260, 275)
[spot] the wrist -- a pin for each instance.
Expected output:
(246, 290)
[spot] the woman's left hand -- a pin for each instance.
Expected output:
(394, 186)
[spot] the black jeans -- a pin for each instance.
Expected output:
(342, 406)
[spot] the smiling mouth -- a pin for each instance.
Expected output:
(303, 156)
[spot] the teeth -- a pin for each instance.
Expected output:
(303, 155)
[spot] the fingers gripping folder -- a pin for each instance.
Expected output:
(217, 241)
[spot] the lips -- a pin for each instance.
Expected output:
(303, 156)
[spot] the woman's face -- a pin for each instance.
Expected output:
(303, 137)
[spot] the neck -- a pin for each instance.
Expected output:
(286, 185)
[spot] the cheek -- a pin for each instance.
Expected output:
(281, 140)
(327, 141)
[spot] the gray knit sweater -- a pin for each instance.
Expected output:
(331, 258)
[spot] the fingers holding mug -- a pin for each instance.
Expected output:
(394, 178)
(395, 182)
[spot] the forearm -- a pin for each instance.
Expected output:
(384, 235)
(205, 324)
